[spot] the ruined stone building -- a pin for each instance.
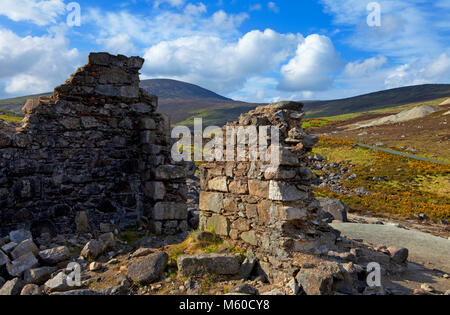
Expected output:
(95, 147)
(98, 148)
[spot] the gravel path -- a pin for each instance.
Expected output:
(424, 249)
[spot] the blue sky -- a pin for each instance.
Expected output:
(257, 51)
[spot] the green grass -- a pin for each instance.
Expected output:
(313, 123)
(358, 156)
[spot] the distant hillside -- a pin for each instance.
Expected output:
(378, 100)
(15, 104)
(184, 101)
(181, 101)
(172, 89)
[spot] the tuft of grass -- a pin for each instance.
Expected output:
(190, 246)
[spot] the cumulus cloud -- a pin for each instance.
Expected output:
(313, 67)
(35, 64)
(40, 12)
(419, 72)
(191, 20)
(365, 67)
(219, 64)
(119, 44)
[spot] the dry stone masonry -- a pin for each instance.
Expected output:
(94, 153)
(273, 212)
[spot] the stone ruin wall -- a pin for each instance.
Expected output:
(96, 148)
(273, 212)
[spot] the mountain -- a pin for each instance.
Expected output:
(184, 101)
(172, 89)
(378, 100)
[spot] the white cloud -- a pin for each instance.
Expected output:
(273, 7)
(35, 64)
(433, 71)
(193, 20)
(313, 68)
(218, 64)
(40, 12)
(173, 3)
(119, 44)
(364, 68)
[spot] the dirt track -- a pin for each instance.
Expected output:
(424, 249)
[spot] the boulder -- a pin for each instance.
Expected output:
(19, 236)
(25, 247)
(399, 255)
(93, 249)
(334, 207)
(55, 255)
(247, 267)
(31, 289)
(321, 280)
(12, 287)
(9, 247)
(95, 266)
(4, 259)
(216, 264)
(38, 275)
(149, 269)
(17, 267)
(141, 252)
(58, 284)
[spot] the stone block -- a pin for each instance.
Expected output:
(211, 202)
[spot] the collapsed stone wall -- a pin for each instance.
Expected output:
(273, 212)
(96, 148)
